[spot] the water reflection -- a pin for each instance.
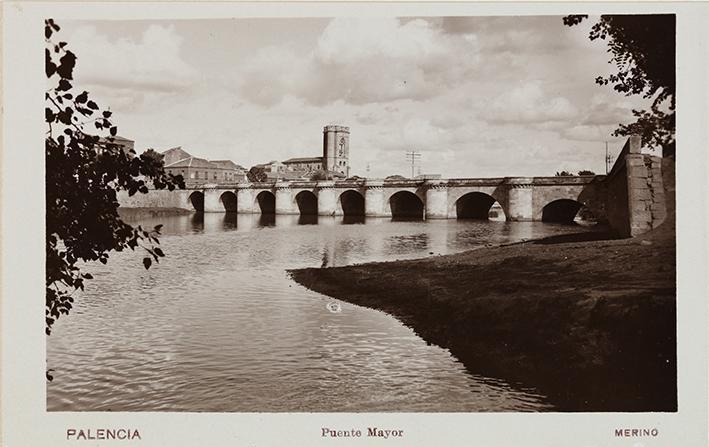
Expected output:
(231, 221)
(407, 219)
(218, 326)
(197, 222)
(350, 220)
(404, 243)
(267, 220)
(308, 219)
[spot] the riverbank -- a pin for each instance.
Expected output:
(587, 320)
(590, 323)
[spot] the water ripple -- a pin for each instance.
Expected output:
(218, 326)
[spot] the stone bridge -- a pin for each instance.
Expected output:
(630, 198)
(521, 198)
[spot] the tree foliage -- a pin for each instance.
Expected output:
(320, 174)
(586, 172)
(257, 174)
(643, 52)
(563, 174)
(84, 172)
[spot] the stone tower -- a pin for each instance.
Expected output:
(336, 149)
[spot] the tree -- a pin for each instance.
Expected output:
(84, 174)
(586, 172)
(256, 174)
(643, 51)
(320, 175)
(563, 174)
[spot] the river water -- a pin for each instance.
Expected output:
(218, 325)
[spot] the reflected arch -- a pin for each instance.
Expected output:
(406, 204)
(307, 203)
(228, 201)
(562, 211)
(266, 201)
(197, 201)
(477, 205)
(352, 203)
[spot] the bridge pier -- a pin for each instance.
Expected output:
(284, 199)
(437, 201)
(374, 198)
(244, 198)
(327, 201)
(212, 204)
(520, 204)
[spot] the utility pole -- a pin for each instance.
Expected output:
(413, 157)
(609, 158)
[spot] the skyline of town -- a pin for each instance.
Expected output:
(254, 90)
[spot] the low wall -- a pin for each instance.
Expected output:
(157, 199)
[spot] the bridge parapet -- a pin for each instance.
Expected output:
(354, 184)
(493, 181)
(568, 180)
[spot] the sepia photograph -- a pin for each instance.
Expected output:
(408, 212)
(354, 214)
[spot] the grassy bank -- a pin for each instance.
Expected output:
(591, 323)
(587, 320)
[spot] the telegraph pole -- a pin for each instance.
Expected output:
(609, 158)
(413, 157)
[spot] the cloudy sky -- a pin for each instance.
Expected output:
(477, 96)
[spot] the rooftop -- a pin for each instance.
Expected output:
(303, 160)
(191, 162)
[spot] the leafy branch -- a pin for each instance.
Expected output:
(84, 174)
(642, 48)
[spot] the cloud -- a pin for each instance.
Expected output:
(127, 72)
(585, 132)
(602, 116)
(605, 111)
(478, 96)
(363, 61)
(527, 104)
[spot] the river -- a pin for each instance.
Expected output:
(218, 325)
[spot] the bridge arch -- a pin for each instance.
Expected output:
(307, 203)
(352, 203)
(228, 201)
(406, 204)
(266, 201)
(197, 201)
(476, 205)
(561, 210)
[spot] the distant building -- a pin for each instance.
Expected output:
(303, 164)
(336, 149)
(124, 143)
(198, 171)
(496, 212)
(174, 154)
(272, 166)
(335, 160)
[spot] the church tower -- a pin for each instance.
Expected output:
(336, 149)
